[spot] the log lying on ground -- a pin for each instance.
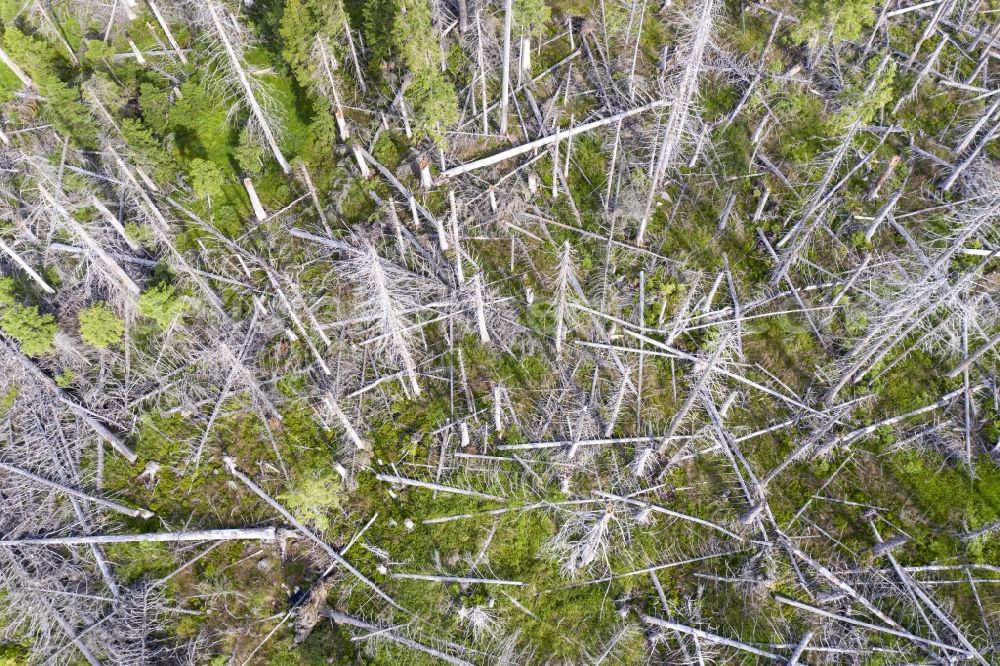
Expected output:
(230, 534)
(508, 15)
(713, 638)
(248, 91)
(92, 245)
(892, 420)
(32, 273)
(546, 140)
(389, 478)
(667, 512)
(389, 634)
(352, 433)
(166, 30)
(883, 547)
(867, 625)
(18, 72)
(120, 508)
(989, 528)
(973, 357)
(800, 648)
(402, 189)
(88, 417)
(456, 579)
(915, 589)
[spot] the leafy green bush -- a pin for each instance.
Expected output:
(207, 179)
(34, 331)
(532, 15)
(100, 326)
(65, 378)
(161, 304)
(6, 291)
(844, 20)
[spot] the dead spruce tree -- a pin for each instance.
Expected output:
(226, 41)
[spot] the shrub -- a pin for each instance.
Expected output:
(161, 304)
(6, 291)
(33, 330)
(846, 20)
(100, 326)
(65, 378)
(207, 179)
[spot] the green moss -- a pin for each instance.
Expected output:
(313, 496)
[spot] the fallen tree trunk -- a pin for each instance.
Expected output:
(713, 638)
(389, 478)
(456, 579)
(231, 534)
(352, 433)
(166, 30)
(9, 251)
(508, 15)
(973, 357)
(547, 140)
(389, 634)
(668, 512)
(121, 508)
(18, 72)
(88, 417)
(247, 88)
(800, 648)
(867, 625)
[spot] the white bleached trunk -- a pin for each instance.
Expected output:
(233, 534)
(505, 74)
(345, 423)
(274, 504)
(120, 508)
(112, 219)
(166, 30)
(459, 273)
(92, 245)
(403, 481)
(258, 208)
(338, 111)
(247, 88)
(18, 72)
(9, 251)
(526, 56)
(356, 150)
(678, 117)
(548, 140)
(712, 638)
(484, 331)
